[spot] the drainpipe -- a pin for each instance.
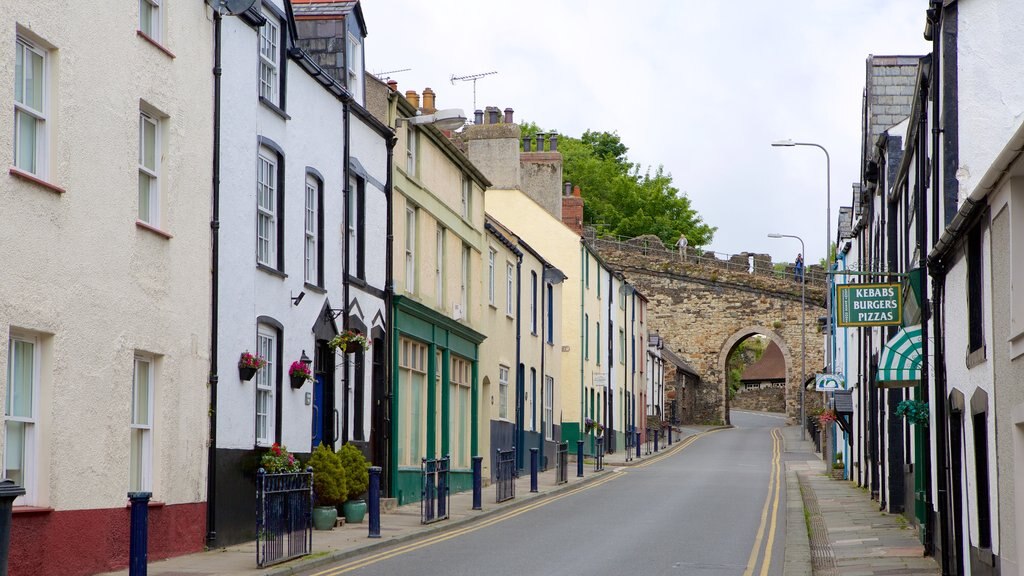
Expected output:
(347, 114)
(543, 347)
(922, 242)
(211, 456)
(389, 297)
(520, 435)
(583, 395)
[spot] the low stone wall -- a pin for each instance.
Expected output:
(760, 400)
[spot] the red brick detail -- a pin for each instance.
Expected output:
(572, 213)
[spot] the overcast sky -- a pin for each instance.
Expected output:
(700, 87)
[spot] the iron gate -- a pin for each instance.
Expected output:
(599, 454)
(435, 495)
(562, 463)
(505, 468)
(284, 516)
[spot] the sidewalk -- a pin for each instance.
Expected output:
(398, 526)
(848, 534)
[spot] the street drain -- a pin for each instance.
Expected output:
(823, 560)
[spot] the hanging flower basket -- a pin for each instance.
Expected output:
(349, 342)
(914, 411)
(249, 364)
(299, 373)
(827, 417)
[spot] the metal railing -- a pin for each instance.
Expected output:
(505, 469)
(629, 443)
(562, 463)
(648, 441)
(814, 432)
(284, 516)
(599, 453)
(435, 496)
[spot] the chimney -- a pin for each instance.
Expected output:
(428, 101)
(540, 142)
(572, 210)
(526, 143)
(478, 117)
(393, 85)
(413, 98)
(508, 115)
(553, 140)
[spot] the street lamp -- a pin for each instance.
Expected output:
(803, 335)
(828, 233)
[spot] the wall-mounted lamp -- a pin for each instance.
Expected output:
(447, 119)
(297, 299)
(334, 312)
(305, 359)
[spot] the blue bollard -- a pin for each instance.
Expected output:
(533, 469)
(657, 432)
(579, 458)
(669, 435)
(478, 490)
(373, 506)
(137, 543)
(637, 443)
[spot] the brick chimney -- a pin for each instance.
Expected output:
(413, 98)
(572, 210)
(428, 101)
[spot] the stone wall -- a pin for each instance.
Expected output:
(760, 400)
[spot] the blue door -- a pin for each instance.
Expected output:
(318, 410)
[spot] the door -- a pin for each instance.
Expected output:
(318, 411)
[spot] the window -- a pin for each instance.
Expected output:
(356, 215)
(509, 288)
(533, 400)
(410, 250)
(464, 282)
(141, 457)
(975, 286)
(354, 68)
(149, 167)
(586, 336)
(270, 60)
(30, 107)
(149, 18)
(467, 197)
(313, 231)
(410, 151)
(266, 385)
(503, 392)
(460, 411)
(622, 346)
(597, 344)
(549, 412)
(622, 296)
(266, 208)
(551, 314)
(982, 487)
(598, 283)
(491, 253)
(439, 268)
(586, 266)
(412, 375)
(533, 302)
(21, 414)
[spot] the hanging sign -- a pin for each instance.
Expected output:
(868, 305)
(829, 382)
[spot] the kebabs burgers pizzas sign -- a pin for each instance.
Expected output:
(869, 305)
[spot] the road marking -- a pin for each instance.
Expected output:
(771, 502)
(430, 540)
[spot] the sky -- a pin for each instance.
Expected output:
(700, 87)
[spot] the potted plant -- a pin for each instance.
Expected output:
(349, 342)
(357, 480)
(299, 372)
(837, 467)
(278, 460)
(328, 486)
(914, 411)
(249, 364)
(827, 417)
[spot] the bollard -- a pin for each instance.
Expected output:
(8, 492)
(373, 507)
(137, 555)
(533, 469)
(478, 462)
(637, 443)
(579, 458)
(657, 432)
(669, 435)
(442, 488)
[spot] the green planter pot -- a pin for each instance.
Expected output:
(324, 517)
(354, 510)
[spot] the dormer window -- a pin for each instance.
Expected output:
(354, 68)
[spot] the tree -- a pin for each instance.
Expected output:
(620, 198)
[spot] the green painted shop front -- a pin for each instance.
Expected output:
(442, 337)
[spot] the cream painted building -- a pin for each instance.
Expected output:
(105, 296)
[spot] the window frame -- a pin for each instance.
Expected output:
(267, 382)
(533, 302)
(598, 343)
(155, 24)
(355, 215)
(503, 372)
(313, 229)
(354, 67)
(464, 279)
(439, 268)
(460, 416)
(975, 287)
(145, 472)
(491, 259)
(30, 438)
(413, 417)
(152, 173)
(271, 56)
(551, 313)
(622, 346)
(548, 415)
(411, 217)
(411, 145)
(270, 153)
(40, 160)
(467, 198)
(509, 289)
(586, 336)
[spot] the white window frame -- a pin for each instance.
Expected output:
(411, 214)
(152, 26)
(533, 302)
(143, 427)
(410, 151)
(37, 163)
(464, 280)
(503, 392)
(311, 229)
(491, 256)
(29, 451)
(266, 386)
(549, 412)
(354, 67)
(439, 267)
(509, 288)
(266, 208)
(533, 401)
(149, 176)
(270, 59)
(467, 197)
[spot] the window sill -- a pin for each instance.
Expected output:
(31, 510)
(29, 177)
(314, 288)
(153, 229)
(271, 271)
(976, 357)
(356, 281)
(275, 108)
(154, 42)
(493, 307)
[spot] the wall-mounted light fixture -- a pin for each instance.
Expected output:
(305, 359)
(297, 299)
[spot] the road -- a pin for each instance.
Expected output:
(712, 509)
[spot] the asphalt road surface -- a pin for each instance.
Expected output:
(714, 508)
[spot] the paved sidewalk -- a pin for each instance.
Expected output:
(849, 536)
(398, 526)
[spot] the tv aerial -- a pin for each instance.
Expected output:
(473, 78)
(385, 76)
(230, 7)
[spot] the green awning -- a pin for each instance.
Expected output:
(900, 362)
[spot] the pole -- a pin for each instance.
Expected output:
(803, 346)
(374, 502)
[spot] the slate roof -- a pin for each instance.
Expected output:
(771, 366)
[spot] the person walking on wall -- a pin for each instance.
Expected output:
(681, 244)
(798, 268)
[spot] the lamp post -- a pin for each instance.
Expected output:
(803, 336)
(828, 233)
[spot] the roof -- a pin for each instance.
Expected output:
(771, 366)
(678, 362)
(328, 10)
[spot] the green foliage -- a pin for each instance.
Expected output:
(328, 477)
(914, 411)
(278, 460)
(623, 198)
(357, 471)
(745, 354)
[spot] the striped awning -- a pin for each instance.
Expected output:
(900, 362)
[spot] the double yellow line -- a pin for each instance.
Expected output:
(771, 502)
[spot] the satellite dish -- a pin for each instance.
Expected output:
(230, 6)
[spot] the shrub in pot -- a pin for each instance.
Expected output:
(357, 479)
(328, 486)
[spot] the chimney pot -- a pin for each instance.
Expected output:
(553, 140)
(526, 143)
(478, 117)
(492, 115)
(413, 98)
(393, 85)
(428, 101)
(576, 191)
(568, 189)
(508, 115)
(540, 142)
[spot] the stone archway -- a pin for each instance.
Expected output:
(792, 388)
